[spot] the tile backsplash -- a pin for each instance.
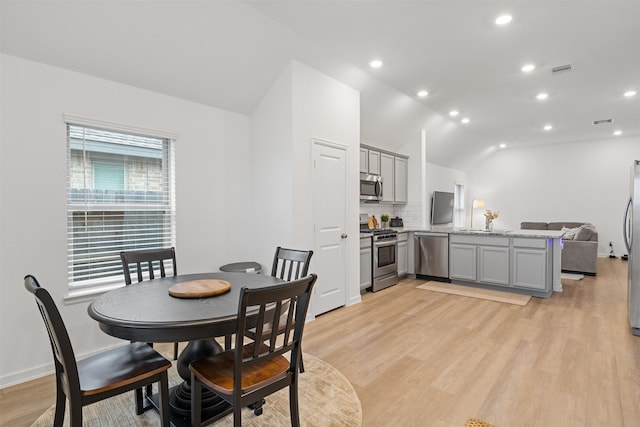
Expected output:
(410, 214)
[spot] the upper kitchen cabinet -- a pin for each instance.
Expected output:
(400, 180)
(393, 170)
(369, 161)
(387, 174)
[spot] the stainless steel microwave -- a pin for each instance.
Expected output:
(370, 187)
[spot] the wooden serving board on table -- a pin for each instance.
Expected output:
(200, 288)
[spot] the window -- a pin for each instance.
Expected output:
(120, 197)
(458, 205)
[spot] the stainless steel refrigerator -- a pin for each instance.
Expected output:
(631, 225)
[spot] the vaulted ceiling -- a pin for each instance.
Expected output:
(226, 54)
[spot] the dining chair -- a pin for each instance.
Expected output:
(288, 264)
(151, 260)
(249, 372)
(101, 376)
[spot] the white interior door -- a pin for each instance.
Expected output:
(329, 217)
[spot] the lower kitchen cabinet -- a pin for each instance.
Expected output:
(366, 267)
(530, 260)
(403, 254)
(494, 265)
(462, 262)
(523, 264)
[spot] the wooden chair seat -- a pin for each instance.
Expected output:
(119, 368)
(217, 372)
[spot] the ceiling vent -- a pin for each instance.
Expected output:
(562, 68)
(602, 122)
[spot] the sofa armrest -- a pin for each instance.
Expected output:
(580, 256)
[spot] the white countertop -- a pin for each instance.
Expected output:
(553, 234)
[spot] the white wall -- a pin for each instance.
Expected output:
(581, 181)
(303, 104)
(212, 184)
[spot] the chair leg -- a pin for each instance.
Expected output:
(139, 401)
(237, 414)
(196, 401)
(75, 413)
(293, 403)
(175, 351)
(301, 362)
(164, 399)
(61, 402)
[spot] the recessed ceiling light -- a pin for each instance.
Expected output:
(503, 145)
(542, 96)
(617, 132)
(548, 127)
(503, 19)
(528, 67)
(423, 93)
(454, 113)
(376, 63)
(465, 121)
(630, 93)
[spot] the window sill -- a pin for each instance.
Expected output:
(80, 295)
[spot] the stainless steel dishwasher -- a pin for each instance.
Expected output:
(431, 254)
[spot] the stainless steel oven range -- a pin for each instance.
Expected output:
(384, 255)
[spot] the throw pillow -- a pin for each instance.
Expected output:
(584, 233)
(569, 233)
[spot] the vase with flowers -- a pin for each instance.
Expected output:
(489, 217)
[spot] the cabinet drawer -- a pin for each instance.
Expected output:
(479, 240)
(521, 242)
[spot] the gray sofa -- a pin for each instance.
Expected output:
(580, 252)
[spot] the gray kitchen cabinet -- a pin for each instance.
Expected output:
(373, 162)
(529, 263)
(494, 265)
(400, 180)
(364, 160)
(522, 264)
(366, 267)
(462, 262)
(403, 254)
(387, 174)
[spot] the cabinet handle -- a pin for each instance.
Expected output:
(344, 236)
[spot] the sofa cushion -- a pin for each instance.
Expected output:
(533, 226)
(559, 225)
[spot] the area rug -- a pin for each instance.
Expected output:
(470, 291)
(474, 422)
(571, 276)
(325, 398)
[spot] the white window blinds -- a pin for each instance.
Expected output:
(120, 197)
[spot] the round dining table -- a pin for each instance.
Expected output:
(146, 312)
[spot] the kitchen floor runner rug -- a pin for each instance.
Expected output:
(475, 422)
(470, 291)
(571, 276)
(325, 398)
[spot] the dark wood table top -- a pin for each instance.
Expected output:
(146, 312)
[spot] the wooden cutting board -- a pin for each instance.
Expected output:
(200, 288)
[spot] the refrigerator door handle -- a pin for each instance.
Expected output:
(626, 227)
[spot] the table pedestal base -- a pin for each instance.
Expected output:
(213, 407)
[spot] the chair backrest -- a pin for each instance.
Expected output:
(153, 258)
(290, 264)
(271, 302)
(63, 357)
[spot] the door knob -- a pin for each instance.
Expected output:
(344, 236)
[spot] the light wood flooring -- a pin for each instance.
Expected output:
(422, 358)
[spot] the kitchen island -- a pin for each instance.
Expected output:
(521, 261)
